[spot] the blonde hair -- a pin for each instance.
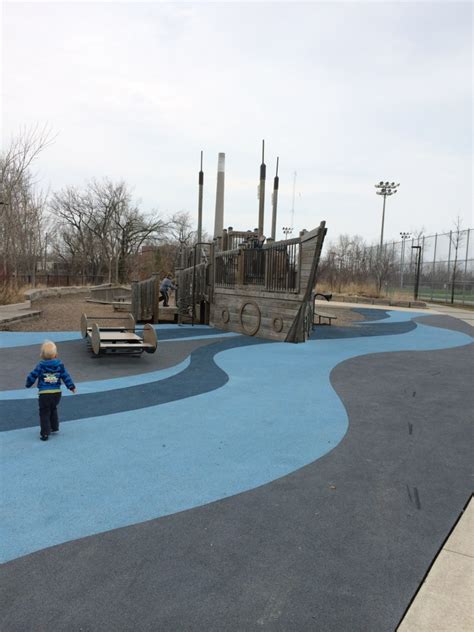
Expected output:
(48, 350)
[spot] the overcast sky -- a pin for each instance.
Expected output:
(346, 94)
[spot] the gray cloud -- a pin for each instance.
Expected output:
(345, 93)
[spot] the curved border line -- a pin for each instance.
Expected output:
(201, 375)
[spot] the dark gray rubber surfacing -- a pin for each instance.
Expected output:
(16, 363)
(340, 545)
(446, 322)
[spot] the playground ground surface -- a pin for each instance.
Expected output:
(230, 483)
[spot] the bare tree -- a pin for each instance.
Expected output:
(21, 205)
(102, 229)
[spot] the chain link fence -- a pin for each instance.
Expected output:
(446, 267)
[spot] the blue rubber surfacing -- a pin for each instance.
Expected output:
(211, 430)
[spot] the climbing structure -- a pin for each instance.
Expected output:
(247, 283)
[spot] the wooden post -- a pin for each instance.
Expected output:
(240, 268)
(156, 298)
(135, 300)
(269, 267)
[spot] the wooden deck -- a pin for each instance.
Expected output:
(168, 314)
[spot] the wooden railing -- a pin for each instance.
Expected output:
(145, 299)
(192, 287)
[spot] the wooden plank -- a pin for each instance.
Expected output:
(250, 291)
(285, 307)
(131, 347)
(118, 335)
(136, 300)
(122, 307)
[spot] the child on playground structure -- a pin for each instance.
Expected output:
(49, 372)
(165, 286)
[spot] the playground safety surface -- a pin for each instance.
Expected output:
(230, 483)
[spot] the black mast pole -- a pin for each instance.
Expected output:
(276, 182)
(201, 187)
(261, 193)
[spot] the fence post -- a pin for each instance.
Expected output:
(465, 267)
(434, 265)
(422, 256)
(449, 265)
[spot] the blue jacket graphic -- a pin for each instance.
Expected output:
(49, 374)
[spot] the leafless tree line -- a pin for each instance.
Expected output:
(351, 264)
(90, 232)
(351, 261)
(22, 205)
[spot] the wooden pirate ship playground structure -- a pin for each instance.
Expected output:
(245, 283)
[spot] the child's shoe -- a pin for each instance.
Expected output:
(44, 437)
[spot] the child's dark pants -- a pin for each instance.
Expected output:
(49, 421)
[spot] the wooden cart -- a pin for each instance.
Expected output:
(121, 338)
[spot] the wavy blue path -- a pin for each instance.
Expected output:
(200, 375)
(275, 414)
(102, 386)
(9, 339)
(112, 384)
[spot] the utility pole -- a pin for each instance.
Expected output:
(385, 189)
(418, 265)
(404, 237)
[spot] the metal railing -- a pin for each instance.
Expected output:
(236, 238)
(274, 268)
(226, 268)
(283, 264)
(254, 266)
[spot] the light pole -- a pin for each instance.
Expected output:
(418, 264)
(404, 237)
(385, 189)
(287, 230)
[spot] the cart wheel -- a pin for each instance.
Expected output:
(149, 337)
(95, 339)
(130, 323)
(84, 326)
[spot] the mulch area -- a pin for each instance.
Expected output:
(61, 314)
(64, 314)
(345, 316)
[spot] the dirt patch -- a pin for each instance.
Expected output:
(60, 314)
(345, 316)
(64, 314)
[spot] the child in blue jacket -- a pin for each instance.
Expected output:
(49, 373)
